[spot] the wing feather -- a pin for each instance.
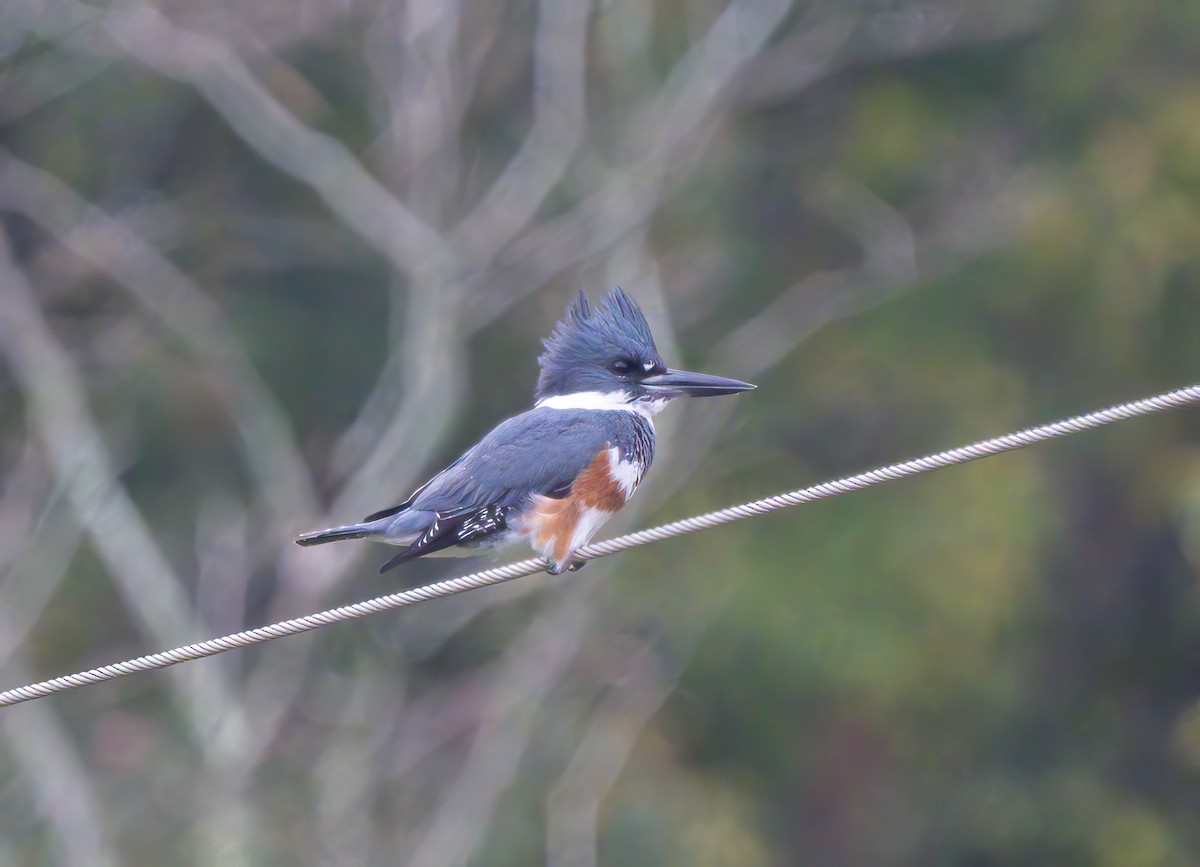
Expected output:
(537, 453)
(450, 529)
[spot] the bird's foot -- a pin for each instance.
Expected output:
(559, 568)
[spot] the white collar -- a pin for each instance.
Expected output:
(601, 400)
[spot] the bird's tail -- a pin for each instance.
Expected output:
(337, 534)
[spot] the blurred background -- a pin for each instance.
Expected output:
(265, 266)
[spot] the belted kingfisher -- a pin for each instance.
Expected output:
(555, 474)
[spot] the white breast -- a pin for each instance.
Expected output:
(627, 474)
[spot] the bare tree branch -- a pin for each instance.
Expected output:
(38, 742)
(531, 667)
(814, 52)
(414, 400)
(349, 771)
(312, 158)
(559, 122)
(398, 50)
(424, 99)
(963, 228)
(573, 802)
(60, 416)
(43, 79)
(665, 136)
(59, 783)
(223, 561)
(183, 307)
(436, 384)
(35, 551)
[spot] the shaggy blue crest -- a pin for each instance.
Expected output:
(589, 340)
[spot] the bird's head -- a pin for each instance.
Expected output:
(606, 355)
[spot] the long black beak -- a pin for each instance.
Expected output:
(675, 383)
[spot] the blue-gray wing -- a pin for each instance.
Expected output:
(540, 452)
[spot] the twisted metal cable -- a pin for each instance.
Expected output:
(511, 571)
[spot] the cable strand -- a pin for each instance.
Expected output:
(523, 568)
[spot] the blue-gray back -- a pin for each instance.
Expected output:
(541, 451)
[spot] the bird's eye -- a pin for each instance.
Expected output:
(620, 366)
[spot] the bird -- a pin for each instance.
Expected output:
(554, 474)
